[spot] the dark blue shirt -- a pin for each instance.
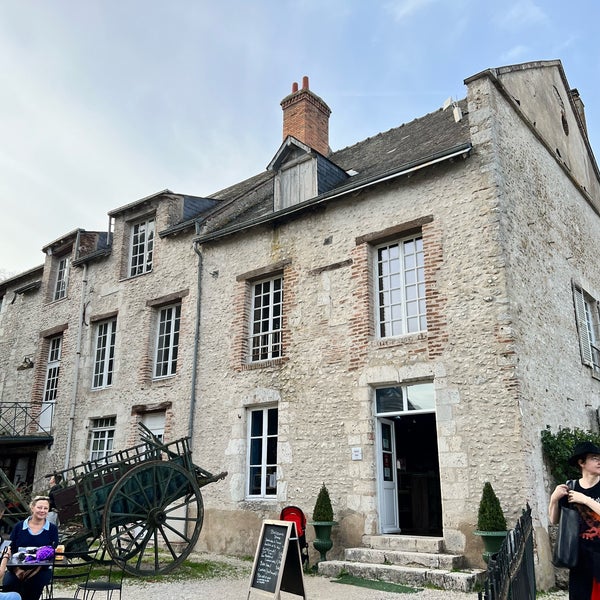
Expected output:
(21, 536)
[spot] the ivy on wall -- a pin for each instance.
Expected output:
(557, 448)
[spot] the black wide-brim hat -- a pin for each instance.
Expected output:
(581, 450)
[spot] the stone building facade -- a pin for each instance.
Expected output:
(398, 319)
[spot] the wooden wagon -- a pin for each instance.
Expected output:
(144, 503)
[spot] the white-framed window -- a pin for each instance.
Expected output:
(167, 341)
(102, 435)
(587, 315)
(51, 381)
(141, 247)
(266, 319)
(62, 278)
(104, 355)
(415, 397)
(400, 293)
(262, 452)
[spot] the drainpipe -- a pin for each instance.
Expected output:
(71, 424)
(193, 397)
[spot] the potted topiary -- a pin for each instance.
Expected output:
(323, 522)
(491, 523)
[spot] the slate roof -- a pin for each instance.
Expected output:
(412, 143)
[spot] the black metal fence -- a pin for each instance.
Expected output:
(511, 573)
(18, 420)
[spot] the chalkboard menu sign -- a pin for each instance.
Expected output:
(277, 563)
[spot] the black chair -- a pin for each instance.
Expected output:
(109, 583)
(69, 567)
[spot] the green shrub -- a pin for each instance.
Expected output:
(323, 510)
(557, 448)
(490, 516)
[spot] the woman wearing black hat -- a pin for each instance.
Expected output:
(584, 578)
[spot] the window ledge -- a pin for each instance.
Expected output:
(264, 364)
(258, 503)
(131, 277)
(165, 379)
(57, 300)
(403, 340)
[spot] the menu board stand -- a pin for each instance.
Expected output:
(277, 563)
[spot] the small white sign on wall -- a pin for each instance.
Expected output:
(356, 453)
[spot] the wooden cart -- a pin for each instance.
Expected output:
(144, 503)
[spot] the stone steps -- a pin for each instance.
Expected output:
(410, 560)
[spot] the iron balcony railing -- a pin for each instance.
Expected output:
(19, 420)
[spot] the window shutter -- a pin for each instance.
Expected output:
(582, 328)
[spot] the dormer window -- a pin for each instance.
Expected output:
(142, 246)
(296, 182)
(301, 174)
(62, 278)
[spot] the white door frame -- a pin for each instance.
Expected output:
(387, 479)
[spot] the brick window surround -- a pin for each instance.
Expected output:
(364, 338)
(41, 363)
(243, 313)
(147, 362)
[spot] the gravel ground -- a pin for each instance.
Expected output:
(236, 587)
(317, 588)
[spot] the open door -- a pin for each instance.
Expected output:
(419, 494)
(388, 484)
(407, 461)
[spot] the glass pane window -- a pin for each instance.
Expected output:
(262, 453)
(266, 320)
(142, 246)
(405, 398)
(102, 437)
(62, 278)
(401, 288)
(592, 326)
(167, 341)
(587, 313)
(104, 356)
(51, 381)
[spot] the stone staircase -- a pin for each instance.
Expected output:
(409, 560)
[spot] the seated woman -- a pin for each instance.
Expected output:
(7, 595)
(35, 531)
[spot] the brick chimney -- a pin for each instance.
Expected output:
(306, 117)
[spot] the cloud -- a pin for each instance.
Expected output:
(515, 54)
(403, 9)
(523, 13)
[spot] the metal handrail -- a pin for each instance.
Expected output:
(18, 419)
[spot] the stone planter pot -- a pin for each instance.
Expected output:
(323, 542)
(492, 541)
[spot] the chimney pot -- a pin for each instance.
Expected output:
(306, 117)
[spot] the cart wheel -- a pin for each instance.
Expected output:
(153, 517)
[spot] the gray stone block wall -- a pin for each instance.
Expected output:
(506, 231)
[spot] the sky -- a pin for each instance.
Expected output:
(105, 102)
